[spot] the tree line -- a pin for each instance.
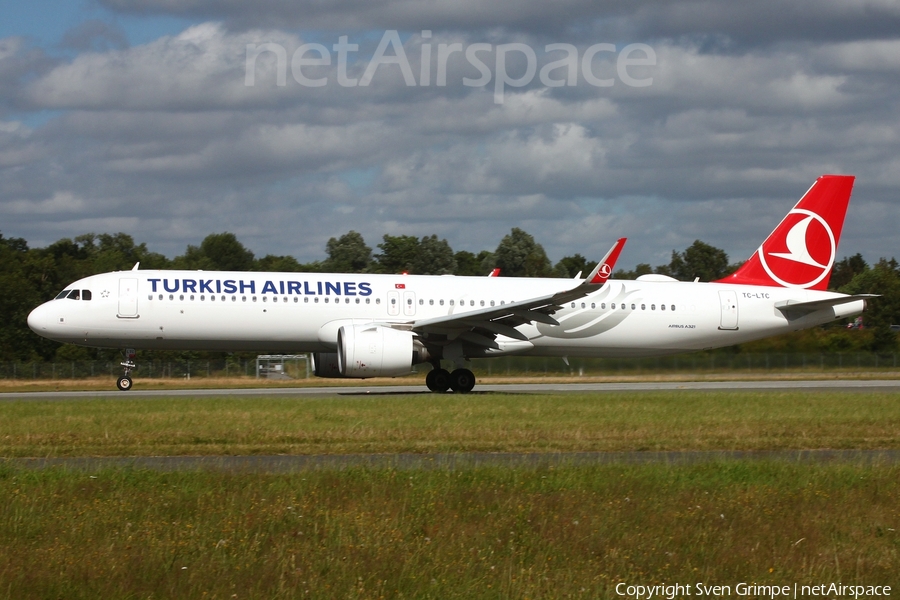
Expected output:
(30, 276)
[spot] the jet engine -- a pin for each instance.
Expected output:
(377, 351)
(325, 364)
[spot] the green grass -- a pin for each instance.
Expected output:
(687, 420)
(569, 532)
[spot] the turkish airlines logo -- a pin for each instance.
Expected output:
(605, 270)
(801, 252)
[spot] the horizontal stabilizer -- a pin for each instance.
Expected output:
(804, 307)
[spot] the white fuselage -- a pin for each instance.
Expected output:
(299, 312)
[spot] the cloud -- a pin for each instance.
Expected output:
(95, 35)
(745, 24)
(167, 141)
(200, 69)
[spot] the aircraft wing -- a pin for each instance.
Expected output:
(480, 327)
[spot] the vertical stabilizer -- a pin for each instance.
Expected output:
(802, 249)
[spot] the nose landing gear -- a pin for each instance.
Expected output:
(124, 382)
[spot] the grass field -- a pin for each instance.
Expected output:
(483, 532)
(480, 533)
(488, 422)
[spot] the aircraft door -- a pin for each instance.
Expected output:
(128, 298)
(729, 305)
(409, 304)
(393, 304)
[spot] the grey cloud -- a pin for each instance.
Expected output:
(18, 61)
(711, 21)
(95, 35)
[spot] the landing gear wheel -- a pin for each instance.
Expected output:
(462, 381)
(438, 380)
(124, 382)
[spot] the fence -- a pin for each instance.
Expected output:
(509, 365)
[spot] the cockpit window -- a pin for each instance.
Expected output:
(74, 294)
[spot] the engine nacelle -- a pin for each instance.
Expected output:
(325, 364)
(377, 351)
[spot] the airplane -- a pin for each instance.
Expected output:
(364, 325)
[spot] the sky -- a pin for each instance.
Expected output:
(288, 122)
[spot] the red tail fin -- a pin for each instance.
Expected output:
(802, 249)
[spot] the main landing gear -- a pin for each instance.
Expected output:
(441, 380)
(124, 382)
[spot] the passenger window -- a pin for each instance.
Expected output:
(482, 303)
(573, 305)
(593, 305)
(171, 296)
(441, 302)
(583, 305)
(181, 297)
(652, 307)
(662, 307)
(673, 307)
(643, 307)
(632, 307)
(421, 302)
(451, 303)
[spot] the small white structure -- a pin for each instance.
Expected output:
(276, 366)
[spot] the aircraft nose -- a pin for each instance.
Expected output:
(40, 319)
